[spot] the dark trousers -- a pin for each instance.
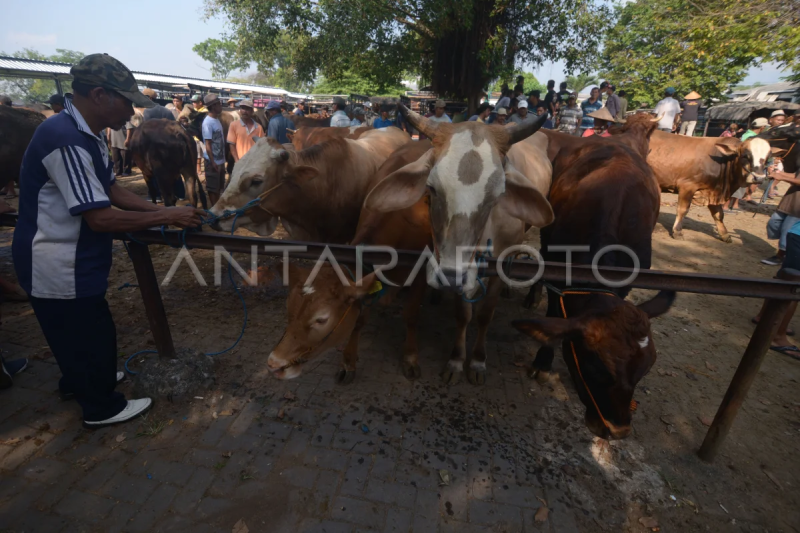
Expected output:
(83, 339)
(122, 161)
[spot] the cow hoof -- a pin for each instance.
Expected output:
(678, 236)
(411, 372)
(345, 377)
(476, 377)
(449, 376)
(541, 376)
(728, 239)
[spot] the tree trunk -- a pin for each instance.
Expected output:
(473, 101)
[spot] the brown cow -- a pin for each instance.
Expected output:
(317, 192)
(603, 194)
(710, 165)
(305, 136)
(328, 313)
(16, 129)
(163, 151)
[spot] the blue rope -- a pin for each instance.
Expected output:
(230, 276)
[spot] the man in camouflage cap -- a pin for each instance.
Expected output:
(62, 242)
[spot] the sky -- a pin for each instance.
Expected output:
(157, 36)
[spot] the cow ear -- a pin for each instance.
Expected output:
(658, 305)
(304, 173)
(369, 285)
(549, 331)
(524, 202)
(402, 188)
(726, 150)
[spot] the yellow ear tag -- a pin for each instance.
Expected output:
(376, 286)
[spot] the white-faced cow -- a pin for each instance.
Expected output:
(477, 198)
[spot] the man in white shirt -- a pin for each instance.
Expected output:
(669, 107)
(438, 112)
(339, 119)
(522, 116)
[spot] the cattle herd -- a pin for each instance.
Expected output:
(469, 186)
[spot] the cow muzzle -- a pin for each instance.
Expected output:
(283, 368)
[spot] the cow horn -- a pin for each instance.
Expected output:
(518, 133)
(290, 130)
(658, 118)
(422, 124)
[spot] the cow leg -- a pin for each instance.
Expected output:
(194, 189)
(152, 190)
(477, 363)
(165, 180)
(718, 215)
(684, 202)
(411, 313)
(543, 363)
(350, 355)
(455, 365)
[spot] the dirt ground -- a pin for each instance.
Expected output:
(607, 486)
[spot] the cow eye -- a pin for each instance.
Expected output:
(321, 320)
(256, 182)
(432, 190)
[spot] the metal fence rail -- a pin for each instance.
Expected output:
(778, 294)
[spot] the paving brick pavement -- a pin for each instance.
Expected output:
(381, 455)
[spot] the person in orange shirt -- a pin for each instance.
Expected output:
(243, 133)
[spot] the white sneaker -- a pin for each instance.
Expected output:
(132, 410)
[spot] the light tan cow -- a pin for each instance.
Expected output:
(316, 192)
(478, 199)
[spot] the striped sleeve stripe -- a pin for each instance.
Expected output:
(71, 179)
(82, 175)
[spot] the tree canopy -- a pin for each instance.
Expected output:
(223, 55)
(579, 82)
(529, 82)
(350, 83)
(33, 90)
(697, 45)
(456, 46)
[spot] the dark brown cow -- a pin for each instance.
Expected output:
(785, 143)
(164, 151)
(326, 313)
(716, 167)
(16, 130)
(304, 136)
(603, 193)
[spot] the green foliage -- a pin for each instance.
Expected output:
(458, 46)
(581, 81)
(701, 45)
(529, 83)
(33, 90)
(350, 83)
(223, 55)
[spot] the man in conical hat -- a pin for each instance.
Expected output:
(602, 120)
(689, 110)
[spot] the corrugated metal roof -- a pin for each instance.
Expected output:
(16, 66)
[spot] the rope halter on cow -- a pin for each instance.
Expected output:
(585, 292)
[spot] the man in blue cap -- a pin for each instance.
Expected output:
(667, 109)
(69, 206)
(277, 122)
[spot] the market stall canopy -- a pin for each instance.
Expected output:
(28, 68)
(741, 111)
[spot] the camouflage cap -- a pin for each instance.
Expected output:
(102, 70)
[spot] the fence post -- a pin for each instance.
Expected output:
(153, 305)
(743, 378)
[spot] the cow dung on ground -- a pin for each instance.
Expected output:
(176, 378)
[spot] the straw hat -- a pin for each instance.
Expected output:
(692, 96)
(603, 114)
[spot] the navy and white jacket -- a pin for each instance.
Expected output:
(65, 172)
